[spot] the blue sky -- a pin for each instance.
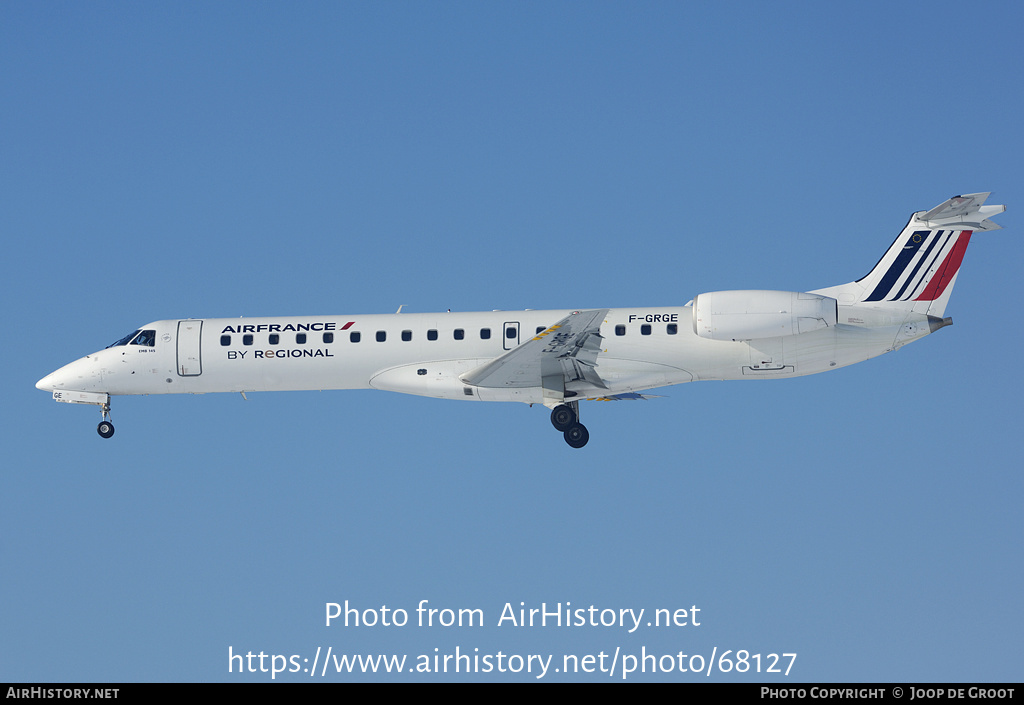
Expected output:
(203, 160)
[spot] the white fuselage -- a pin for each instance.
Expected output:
(424, 353)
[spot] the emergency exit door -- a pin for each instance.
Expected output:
(510, 334)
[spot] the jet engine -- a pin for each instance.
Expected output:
(753, 314)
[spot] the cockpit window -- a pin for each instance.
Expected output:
(139, 337)
(146, 337)
(125, 340)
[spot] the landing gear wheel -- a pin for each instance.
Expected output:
(105, 429)
(563, 417)
(577, 435)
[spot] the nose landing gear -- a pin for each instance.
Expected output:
(106, 428)
(565, 418)
(100, 399)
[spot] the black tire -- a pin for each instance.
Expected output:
(105, 429)
(563, 417)
(577, 435)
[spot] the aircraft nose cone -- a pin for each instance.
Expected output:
(71, 376)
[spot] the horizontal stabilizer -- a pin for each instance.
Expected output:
(965, 212)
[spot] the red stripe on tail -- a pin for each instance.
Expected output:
(947, 270)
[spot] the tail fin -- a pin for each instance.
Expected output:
(919, 269)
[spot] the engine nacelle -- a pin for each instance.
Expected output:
(753, 314)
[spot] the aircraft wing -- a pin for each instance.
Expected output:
(565, 354)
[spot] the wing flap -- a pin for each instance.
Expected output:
(564, 352)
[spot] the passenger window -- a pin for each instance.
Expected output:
(328, 337)
(672, 328)
(300, 338)
(225, 340)
(510, 332)
(645, 329)
(247, 339)
(485, 333)
(381, 336)
(406, 335)
(620, 329)
(540, 329)
(275, 338)
(355, 336)
(432, 334)
(459, 334)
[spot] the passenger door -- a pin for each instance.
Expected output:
(190, 335)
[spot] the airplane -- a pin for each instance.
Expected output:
(556, 358)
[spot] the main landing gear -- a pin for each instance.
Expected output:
(106, 428)
(565, 418)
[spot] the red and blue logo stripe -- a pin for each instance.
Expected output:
(908, 276)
